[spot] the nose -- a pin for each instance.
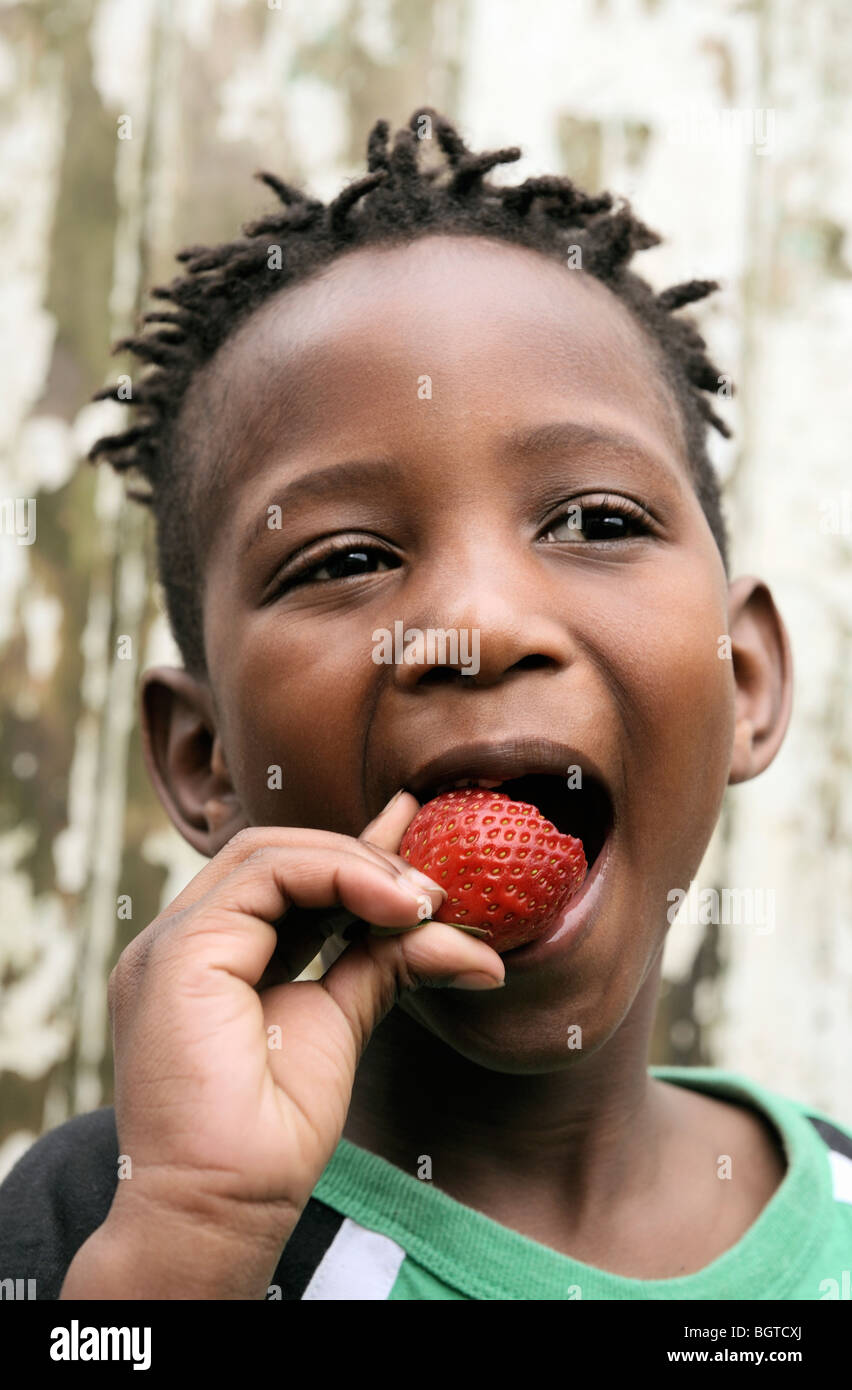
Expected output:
(481, 620)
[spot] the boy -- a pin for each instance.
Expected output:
(448, 404)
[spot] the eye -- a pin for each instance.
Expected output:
(348, 563)
(608, 519)
(341, 561)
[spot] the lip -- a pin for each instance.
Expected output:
(503, 759)
(573, 924)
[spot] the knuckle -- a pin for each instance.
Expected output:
(244, 840)
(126, 976)
(379, 852)
(407, 978)
(119, 985)
(410, 963)
(261, 852)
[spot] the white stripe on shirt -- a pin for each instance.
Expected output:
(841, 1172)
(359, 1264)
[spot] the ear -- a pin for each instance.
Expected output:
(763, 673)
(185, 760)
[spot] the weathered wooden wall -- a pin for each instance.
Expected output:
(618, 93)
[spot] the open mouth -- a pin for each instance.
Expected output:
(584, 811)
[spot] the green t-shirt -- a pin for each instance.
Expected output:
(372, 1231)
(387, 1234)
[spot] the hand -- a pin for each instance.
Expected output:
(230, 1099)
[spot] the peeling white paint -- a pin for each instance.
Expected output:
(120, 41)
(168, 850)
(35, 1028)
(317, 121)
(14, 567)
(31, 139)
(375, 30)
(71, 846)
(309, 24)
(41, 619)
(46, 453)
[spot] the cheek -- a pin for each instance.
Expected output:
(682, 688)
(663, 654)
(297, 697)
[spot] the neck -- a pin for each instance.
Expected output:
(575, 1140)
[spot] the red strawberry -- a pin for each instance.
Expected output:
(507, 870)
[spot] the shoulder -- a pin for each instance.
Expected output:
(835, 1134)
(786, 1113)
(735, 1086)
(55, 1196)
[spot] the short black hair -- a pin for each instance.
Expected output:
(403, 196)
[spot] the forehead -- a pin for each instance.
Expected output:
(504, 333)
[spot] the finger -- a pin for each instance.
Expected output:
(385, 833)
(370, 976)
(233, 929)
(247, 843)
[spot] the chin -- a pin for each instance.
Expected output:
(527, 1037)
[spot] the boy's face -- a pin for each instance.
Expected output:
(542, 396)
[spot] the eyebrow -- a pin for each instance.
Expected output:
(570, 434)
(365, 475)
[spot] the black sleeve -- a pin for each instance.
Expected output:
(61, 1190)
(56, 1195)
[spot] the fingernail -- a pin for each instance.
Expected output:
(475, 979)
(425, 909)
(423, 881)
(425, 906)
(394, 798)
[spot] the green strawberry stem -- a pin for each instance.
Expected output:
(398, 931)
(473, 931)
